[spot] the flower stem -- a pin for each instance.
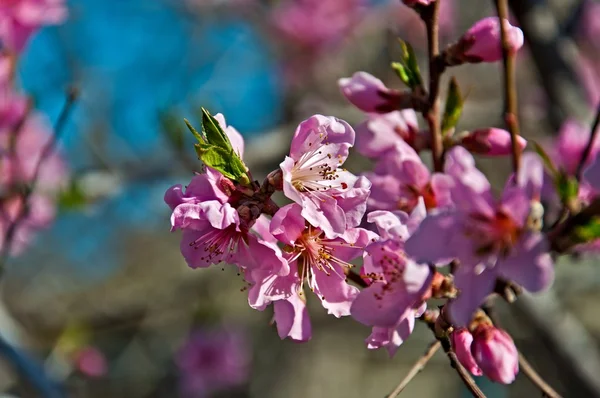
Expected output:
(417, 367)
(589, 146)
(510, 86)
(430, 16)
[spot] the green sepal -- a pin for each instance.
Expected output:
(567, 187)
(588, 232)
(454, 107)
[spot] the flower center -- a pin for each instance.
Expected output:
(498, 234)
(217, 244)
(315, 253)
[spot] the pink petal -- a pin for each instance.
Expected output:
(287, 224)
(291, 317)
(474, 288)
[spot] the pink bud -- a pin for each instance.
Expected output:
(461, 340)
(482, 42)
(91, 362)
(495, 353)
(368, 93)
(491, 142)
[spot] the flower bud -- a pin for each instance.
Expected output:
(412, 3)
(495, 353)
(462, 340)
(490, 142)
(369, 94)
(91, 362)
(482, 42)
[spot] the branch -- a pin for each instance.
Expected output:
(535, 378)
(357, 279)
(589, 146)
(46, 152)
(430, 16)
(417, 367)
(510, 86)
(30, 370)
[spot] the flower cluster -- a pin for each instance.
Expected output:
(378, 246)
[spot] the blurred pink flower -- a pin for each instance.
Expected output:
(368, 93)
(381, 133)
(495, 354)
(19, 19)
(482, 42)
(18, 168)
(589, 28)
(91, 362)
(489, 237)
(212, 361)
(490, 142)
(316, 24)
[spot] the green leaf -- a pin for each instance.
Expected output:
(454, 106)
(72, 197)
(213, 132)
(567, 187)
(215, 149)
(195, 132)
(545, 158)
(402, 73)
(588, 232)
(408, 68)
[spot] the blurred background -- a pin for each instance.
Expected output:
(103, 300)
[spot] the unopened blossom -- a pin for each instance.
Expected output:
(20, 166)
(369, 94)
(316, 24)
(482, 42)
(19, 19)
(490, 238)
(491, 142)
(398, 286)
(213, 360)
(412, 3)
(316, 262)
(401, 178)
(462, 341)
(495, 353)
(331, 197)
(381, 133)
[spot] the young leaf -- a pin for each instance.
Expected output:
(567, 187)
(196, 134)
(454, 106)
(213, 132)
(408, 67)
(588, 232)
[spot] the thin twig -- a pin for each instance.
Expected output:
(535, 378)
(430, 16)
(510, 86)
(417, 367)
(589, 146)
(46, 152)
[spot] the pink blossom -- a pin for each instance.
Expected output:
(18, 169)
(316, 24)
(381, 133)
(495, 354)
(491, 142)
(400, 179)
(462, 341)
(592, 174)
(482, 41)
(315, 260)
(368, 93)
(91, 362)
(19, 19)
(490, 238)
(212, 360)
(568, 149)
(313, 176)
(398, 286)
